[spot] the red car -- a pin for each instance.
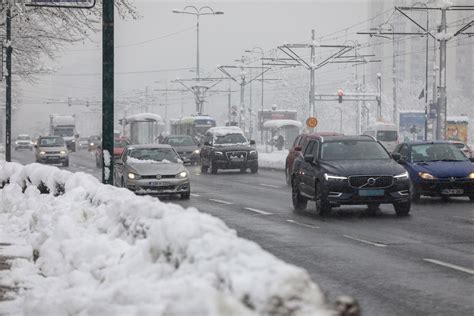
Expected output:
(295, 150)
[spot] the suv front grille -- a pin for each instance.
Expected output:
(236, 155)
(370, 181)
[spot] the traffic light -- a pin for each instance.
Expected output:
(340, 93)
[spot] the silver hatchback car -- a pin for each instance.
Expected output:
(152, 170)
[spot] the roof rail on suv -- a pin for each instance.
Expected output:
(371, 137)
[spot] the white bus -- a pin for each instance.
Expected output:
(386, 133)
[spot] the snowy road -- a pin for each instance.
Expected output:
(422, 264)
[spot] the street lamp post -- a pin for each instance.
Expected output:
(261, 114)
(205, 10)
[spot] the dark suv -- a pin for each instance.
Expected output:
(349, 170)
(227, 148)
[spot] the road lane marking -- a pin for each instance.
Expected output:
(221, 201)
(301, 224)
(465, 218)
(195, 195)
(376, 244)
(449, 265)
(270, 185)
(257, 211)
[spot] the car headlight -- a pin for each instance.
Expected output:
(329, 177)
(218, 153)
(73, 140)
(63, 152)
(42, 153)
(133, 176)
(426, 176)
(182, 175)
(402, 176)
(16, 143)
(471, 175)
(197, 152)
(92, 144)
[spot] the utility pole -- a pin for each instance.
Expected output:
(312, 81)
(108, 91)
(8, 101)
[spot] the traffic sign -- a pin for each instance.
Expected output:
(311, 122)
(234, 107)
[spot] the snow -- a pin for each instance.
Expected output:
(135, 160)
(444, 4)
(457, 119)
(224, 130)
(104, 251)
(444, 36)
(276, 124)
(144, 117)
(272, 160)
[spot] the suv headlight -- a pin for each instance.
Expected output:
(63, 152)
(197, 151)
(471, 175)
(42, 153)
(133, 176)
(218, 153)
(182, 175)
(426, 176)
(402, 176)
(329, 177)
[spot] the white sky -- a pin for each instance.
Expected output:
(224, 38)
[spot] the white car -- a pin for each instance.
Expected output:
(23, 141)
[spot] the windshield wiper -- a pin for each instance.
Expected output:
(446, 160)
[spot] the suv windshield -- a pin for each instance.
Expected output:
(353, 150)
(51, 142)
(152, 154)
(436, 152)
(387, 136)
(230, 139)
(180, 141)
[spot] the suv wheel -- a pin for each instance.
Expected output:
(415, 195)
(323, 207)
(287, 175)
(66, 163)
(204, 169)
(212, 166)
(185, 196)
(471, 198)
(402, 209)
(299, 202)
(254, 169)
(243, 170)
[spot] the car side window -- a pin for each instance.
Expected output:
(404, 152)
(297, 141)
(309, 149)
(315, 151)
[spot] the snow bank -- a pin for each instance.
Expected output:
(102, 250)
(272, 160)
(225, 130)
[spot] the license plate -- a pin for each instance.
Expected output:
(156, 183)
(452, 191)
(52, 157)
(371, 193)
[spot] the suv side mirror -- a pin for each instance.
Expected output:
(252, 142)
(298, 148)
(309, 158)
(398, 158)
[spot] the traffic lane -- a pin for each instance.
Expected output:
(379, 277)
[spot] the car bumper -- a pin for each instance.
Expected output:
(23, 146)
(341, 193)
(227, 164)
(159, 186)
(52, 159)
(464, 187)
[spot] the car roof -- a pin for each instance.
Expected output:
(150, 146)
(313, 135)
(346, 137)
(423, 142)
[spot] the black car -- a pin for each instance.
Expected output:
(186, 147)
(349, 170)
(228, 148)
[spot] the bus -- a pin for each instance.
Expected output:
(142, 128)
(385, 133)
(192, 125)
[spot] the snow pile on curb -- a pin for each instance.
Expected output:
(272, 160)
(102, 250)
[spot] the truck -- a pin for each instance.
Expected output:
(457, 128)
(64, 126)
(411, 125)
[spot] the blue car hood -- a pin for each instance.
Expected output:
(444, 169)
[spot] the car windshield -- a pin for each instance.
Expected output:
(436, 152)
(23, 138)
(387, 136)
(51, 142)
(230, 139)
(64, 132)
(152, 155)
(353, 150)
(180, 141)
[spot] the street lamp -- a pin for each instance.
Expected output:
(205, 10)
(261, 114)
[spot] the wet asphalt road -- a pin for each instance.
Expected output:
(422, 264)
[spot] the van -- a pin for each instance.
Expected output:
(385, 133)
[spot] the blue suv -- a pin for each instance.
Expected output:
(437, 168)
